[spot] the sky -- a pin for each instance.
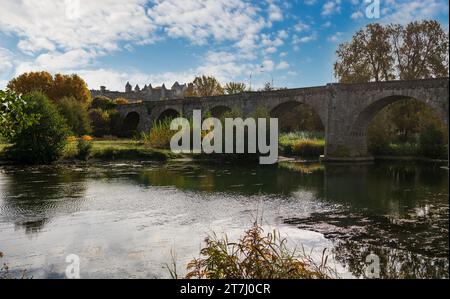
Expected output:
(110, 42)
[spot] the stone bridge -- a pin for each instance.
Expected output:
(345, 109)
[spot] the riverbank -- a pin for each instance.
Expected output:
(108, 150)
(132, 150)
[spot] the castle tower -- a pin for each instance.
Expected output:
(137, 88)
(163, 91)
(128, 88)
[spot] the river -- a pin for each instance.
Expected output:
(128, 220)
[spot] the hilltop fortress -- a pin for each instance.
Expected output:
(146, 94)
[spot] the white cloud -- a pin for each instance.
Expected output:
(275, 13)
(200, 20)
(102, 25)
(335, 37)
(357, 15)
(331, 7)
(6, 66)
(402, 11)
(300, 26)
(283, 65)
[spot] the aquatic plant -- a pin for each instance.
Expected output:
(254, 256)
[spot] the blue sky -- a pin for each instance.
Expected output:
(110, 42)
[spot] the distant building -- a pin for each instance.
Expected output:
(146, 94)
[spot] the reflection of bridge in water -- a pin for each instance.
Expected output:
(344, 109)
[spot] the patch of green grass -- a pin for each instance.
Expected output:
(120, 149)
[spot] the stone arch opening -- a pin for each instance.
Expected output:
(130, 124)
(219, 111)
(396, 120)
(295, 116)
(168, 114)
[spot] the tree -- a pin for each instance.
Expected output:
(70, 86)
(368, 57)
(207, 86)
(103, 103)
(44, 141)
(420, 50)
(13, 114)
(267, 87)
(76, 116)
(235, 88)
(55, 88)
(101, 122)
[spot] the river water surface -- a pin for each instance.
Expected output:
(125, 220)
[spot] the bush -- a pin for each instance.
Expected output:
(43, 142)
(84, 147)
(159, 135)
(103, 103)
(76, 116)
(100, 121)
(308, 148)
(254, 256)
(432, 143)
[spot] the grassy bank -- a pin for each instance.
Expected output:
(110, 150)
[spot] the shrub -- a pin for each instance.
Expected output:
(100, 121)
(254, 256)
(43, 142)
(103, 103)
(76, 116)
(84, 148)
(159, 135)
(308, 148)
(432, 143)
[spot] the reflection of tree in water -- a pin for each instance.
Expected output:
(32, 196)
(248, 180)
(393, 263)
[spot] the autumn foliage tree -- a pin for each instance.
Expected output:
(206, 86)
(55, 88)
(418, 50)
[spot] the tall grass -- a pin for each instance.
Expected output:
(303, 144)
(159, 135)
(254, 256)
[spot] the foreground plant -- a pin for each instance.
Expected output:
(255, 256)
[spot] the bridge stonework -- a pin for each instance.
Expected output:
(345, 109)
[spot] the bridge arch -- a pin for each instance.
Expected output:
(219, 110)
(130, 123)
(364, 117)
(297, 115)
(360, 126)
(168, 114)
